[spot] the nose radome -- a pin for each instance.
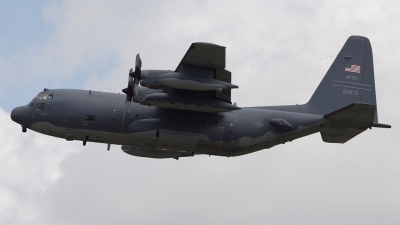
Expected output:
(21, 115)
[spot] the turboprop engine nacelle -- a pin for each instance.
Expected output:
(193, 82)
(164, 79)
(150, 79)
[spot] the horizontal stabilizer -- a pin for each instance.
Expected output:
(356, 113)
(381, 125)
(340, 135)
(348, 122)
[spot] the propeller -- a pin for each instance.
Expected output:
(138, 66)
(132, 90)
(129, 91)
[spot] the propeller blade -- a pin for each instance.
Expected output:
(128, 105)
(136, 87)
(138, 66)
(132, 91)
(138, 63)
(130, 82)
(129, 91)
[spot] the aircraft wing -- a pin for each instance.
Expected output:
(207, 60)
(199, 83)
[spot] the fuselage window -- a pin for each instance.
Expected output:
(40, 106)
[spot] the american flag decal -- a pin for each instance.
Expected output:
(352, 68)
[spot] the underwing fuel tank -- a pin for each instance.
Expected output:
(193, 82)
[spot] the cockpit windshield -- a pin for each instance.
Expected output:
(44, 95)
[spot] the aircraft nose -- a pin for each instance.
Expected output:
(21, 115)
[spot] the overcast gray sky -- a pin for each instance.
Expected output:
(89, 44)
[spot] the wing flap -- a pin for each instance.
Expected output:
(224, 75)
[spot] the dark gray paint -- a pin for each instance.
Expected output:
(343, 106)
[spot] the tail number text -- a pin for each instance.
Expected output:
(349, 92)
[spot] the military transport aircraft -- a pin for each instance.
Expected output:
(188, 111)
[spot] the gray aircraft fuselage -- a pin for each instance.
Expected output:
(100, 116)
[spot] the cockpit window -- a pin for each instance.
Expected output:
(44, 95)
(40, 106)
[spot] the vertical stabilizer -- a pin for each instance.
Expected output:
(350, 79)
